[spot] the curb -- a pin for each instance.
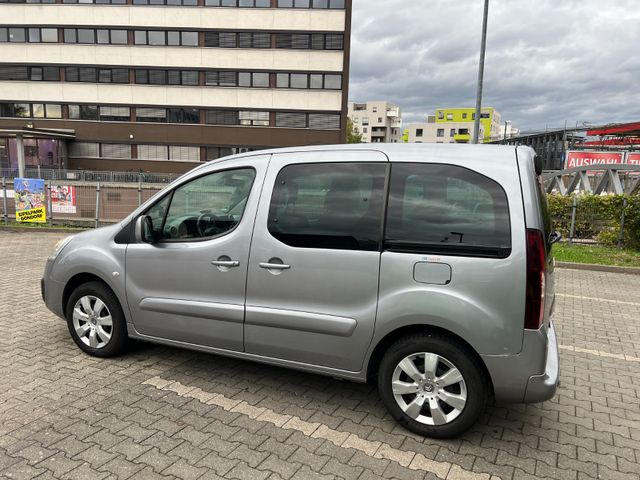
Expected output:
(599, 268)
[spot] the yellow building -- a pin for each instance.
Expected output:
(489, 119)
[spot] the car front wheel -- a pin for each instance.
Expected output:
(96, 321)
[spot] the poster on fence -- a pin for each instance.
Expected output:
(30, 200)
(63, 199)
(633, 158)
(583, 159)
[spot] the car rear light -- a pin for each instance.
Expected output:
(536, 261)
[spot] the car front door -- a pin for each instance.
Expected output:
(312, 283)
(189, 285)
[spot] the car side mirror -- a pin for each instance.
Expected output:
(143, 230)
(554, 237)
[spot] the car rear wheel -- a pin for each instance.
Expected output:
(432, 385)
(95, 320)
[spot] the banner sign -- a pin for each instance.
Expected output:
(63, 199)
(30, 200)
(583, 159)
(633, 158)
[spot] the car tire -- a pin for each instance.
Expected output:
(96, 321)
(433, 385)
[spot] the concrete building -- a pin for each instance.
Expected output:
(377, 122)
(161, 85)
(490, 120)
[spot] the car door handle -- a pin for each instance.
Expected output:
(274, 266)
(226, 263)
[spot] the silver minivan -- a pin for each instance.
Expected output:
(425, 268)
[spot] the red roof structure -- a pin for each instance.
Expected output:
(622, 129)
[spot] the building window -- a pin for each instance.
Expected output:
(419, 132)
(115, 150)
(440, 132)
(315, 41)
(238, 3)
(365, 129)
(166, 77)
(162, 38)
(253, 118)
(83, 112)
(452, 132)
(291, 120)
(464, 116)
(179, 153)
(313, 81)
(237, 40)
(324, 121)
(337, 4)
(115, 114)
(15, 110)
(365, 120)
(156, 115)
(449, 116)
(221, 79)
(258, 79)
(222, 117)
(440, 115)
(153, 152)
(183, 115)
(379, 119)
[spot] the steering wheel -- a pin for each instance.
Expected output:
(206, 222)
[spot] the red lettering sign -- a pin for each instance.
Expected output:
(633, 158)
(582, 159)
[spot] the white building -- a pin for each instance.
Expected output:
(432, 132)
(377, 122)
(160, 85)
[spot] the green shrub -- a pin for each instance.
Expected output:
(598, 217)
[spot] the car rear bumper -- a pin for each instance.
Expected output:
(543, 387)
(531, 375)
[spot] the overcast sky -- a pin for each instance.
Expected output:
(547, 60)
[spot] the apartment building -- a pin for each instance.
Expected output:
(490, 120)
(161, 85)
(432, 132)
(377, 122)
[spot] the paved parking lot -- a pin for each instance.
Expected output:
(159, 412)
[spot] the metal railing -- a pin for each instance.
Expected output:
(86, 203)
(594, 179)
(62, 175)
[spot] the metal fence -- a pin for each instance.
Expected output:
(586, 222)
(64, 175)
(93, 204)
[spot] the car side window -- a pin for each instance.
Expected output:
(328, 205)
(208, 206)
(446, 209)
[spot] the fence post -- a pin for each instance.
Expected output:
(50, 205)
(572, 230)
(140, 192)
(98, 205)
(621, 236)
(4, 201)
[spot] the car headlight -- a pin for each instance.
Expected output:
(59, 246)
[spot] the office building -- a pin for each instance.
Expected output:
(377, 122)
(161, 85)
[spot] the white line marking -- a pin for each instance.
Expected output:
(600, 353)
(596, 299)
(408, 459)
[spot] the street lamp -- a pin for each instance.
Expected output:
(483, 46)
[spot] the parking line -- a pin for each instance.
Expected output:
(405, 458)
(600, 353)
(596, 299)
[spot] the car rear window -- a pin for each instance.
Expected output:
(446, 209)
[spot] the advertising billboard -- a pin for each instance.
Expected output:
(30, 200)
(633, 158)
(583, 159)
(63, 199)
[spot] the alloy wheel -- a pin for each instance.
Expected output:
(429, 388)
(92, 321)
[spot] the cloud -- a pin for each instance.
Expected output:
(547, 61)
